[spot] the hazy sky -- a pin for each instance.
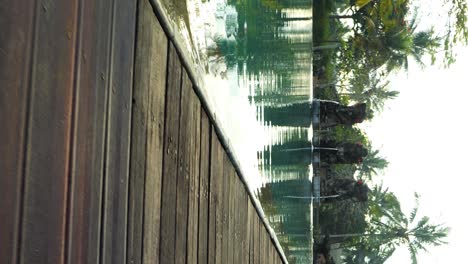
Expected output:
(422, 133)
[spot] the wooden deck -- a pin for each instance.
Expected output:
(107, 155)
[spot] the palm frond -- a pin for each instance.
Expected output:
(414, 211)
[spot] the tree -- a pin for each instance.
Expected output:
(457, 28)
(391, 48)
(372, 164)
(394, 229)
(369, 88)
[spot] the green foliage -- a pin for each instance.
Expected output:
(457, 28)
(372, 164)
(388, 228)
(369, 88)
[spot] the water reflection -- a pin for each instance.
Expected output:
(256, 54)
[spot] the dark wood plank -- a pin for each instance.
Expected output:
(183, 174)
(92, 78)
(147, 138)
(237, 242)
(170, 159)
(226, 206)
(114, 229)
(16, 25)
(49, 133)
(205, 157)
(155, 143)
(194, 176)
(215, 225)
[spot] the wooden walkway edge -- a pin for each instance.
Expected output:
(108, 151)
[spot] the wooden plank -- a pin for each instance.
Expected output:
(245, 227)
(250, 230)
(236, 248)
(92, 78)
(16, 25)
(270, 251)
(170, 159)
(256, 237)
(260, 242)
(194, 176)
(226, 206)
(47, 161)
(147, 138)
(252, 238)
(265, 243)
(215, 225)
(231, 213)
(155, 142)
(261, 246)
(115, 212)
(184, 169)
(205, 157)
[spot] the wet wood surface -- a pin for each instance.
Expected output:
(110, 155)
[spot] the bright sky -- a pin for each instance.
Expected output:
(422, 133)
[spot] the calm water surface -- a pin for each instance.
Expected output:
(252, 54)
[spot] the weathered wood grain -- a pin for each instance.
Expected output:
(47, 164)
(92, 78)
(250, 230)
(170, 159)
(115, 212)
(16, 25)
(205, 157)
(147, 138)
(245, 226)
(235, 246)
(256, 242)
(184, 168)
(194, 178)
(226, 206)
(215, 226)
(103, 167)
(265, 243)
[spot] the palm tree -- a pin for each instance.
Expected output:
(393, 229)
(393, 48)
(416, 235)
(372, 164)
(371, 89)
